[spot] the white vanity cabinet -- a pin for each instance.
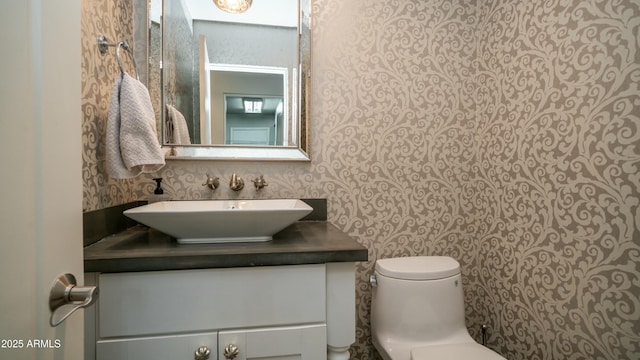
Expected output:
(157, 347)
(275, 312)
(295, 342)
(291, 342)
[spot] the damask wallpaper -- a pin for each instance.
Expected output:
(505, 134)
(557, 178)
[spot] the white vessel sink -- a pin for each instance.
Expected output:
(220, 221)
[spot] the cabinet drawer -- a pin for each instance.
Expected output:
(199, 300)
(158, 347)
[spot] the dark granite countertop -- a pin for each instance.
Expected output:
(142, 249)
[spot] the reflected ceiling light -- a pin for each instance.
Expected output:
(252, 105)
(233, 6)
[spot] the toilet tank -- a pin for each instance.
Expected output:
(418, 300)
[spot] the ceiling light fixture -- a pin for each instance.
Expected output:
(252, 105)
(233, 6)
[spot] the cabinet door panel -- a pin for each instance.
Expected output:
(157, 347)
(307, 342)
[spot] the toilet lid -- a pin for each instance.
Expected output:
(418, 267)
(463, 351)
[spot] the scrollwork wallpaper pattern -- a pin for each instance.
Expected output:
(505, 134)
(112, 19)
(558, 151)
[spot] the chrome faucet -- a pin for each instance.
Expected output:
(236, 182)
(259, 183)
(212, 182)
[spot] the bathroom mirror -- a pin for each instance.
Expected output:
(233, 86)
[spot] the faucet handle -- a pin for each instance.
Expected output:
(259, 183)
(212, 182)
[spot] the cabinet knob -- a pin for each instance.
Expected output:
(202, 353)
(231, 351)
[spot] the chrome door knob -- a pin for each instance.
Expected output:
(66, 297)
(202, 353)
(231, 351)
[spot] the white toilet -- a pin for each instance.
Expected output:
(417, 311)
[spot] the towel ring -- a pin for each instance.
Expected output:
(103, 46)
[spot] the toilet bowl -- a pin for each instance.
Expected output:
(417, 311)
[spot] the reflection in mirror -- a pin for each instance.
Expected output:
(233, 89)
(213, 61)
(253, 120)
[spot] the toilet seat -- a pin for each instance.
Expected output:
(459, 351)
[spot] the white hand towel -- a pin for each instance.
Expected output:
(177, 127)
(132, 145)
